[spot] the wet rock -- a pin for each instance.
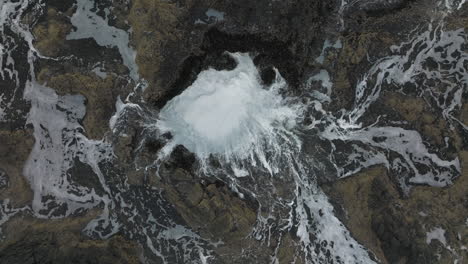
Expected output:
(422, 117)
(100, 96)
(4, 179)
(395, 228)
(211, 208)
(459, 19)
(15, 147)
(13, 107)
(50, 34)
(286, 253)
(83, 175)
(60, 241)
(61, 5)
(379, 7)
(166, 37)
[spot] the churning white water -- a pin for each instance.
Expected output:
(229, 113)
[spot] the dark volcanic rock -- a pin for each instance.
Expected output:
(247, 27)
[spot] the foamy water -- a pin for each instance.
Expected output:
(230, 114)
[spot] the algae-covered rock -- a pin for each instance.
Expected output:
(423, 117)
(15, 147)
(154, 23)
(50, 34)
(61, 241)
(100, 96)
(211, 208)
(396, 228)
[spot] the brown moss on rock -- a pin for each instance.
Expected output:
(50, 34)
(350, 62)
(358, 211)
(416, 111)
(99, 93)
(368, 36)
(395, 228)
(32, 241)
(287, 252)
(154, 23)
(212, 209)
(15, 147)
(355, 46)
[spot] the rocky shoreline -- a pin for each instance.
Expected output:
(174, 41)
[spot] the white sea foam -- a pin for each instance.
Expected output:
(98, 71)
(452, 5)
(409, 146)
(213, 16)
(324, 78)
(59, 138)
(408, 63)
(229, 113)
(59, 142)
(89, 25)
(327, 229)
(436, 234)
(213, 13)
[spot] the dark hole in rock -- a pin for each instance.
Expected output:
(188, 72)
(220, 62)
(154, 145)
(268, 75)
(216, 43)
(266, 68)
(182, 158)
